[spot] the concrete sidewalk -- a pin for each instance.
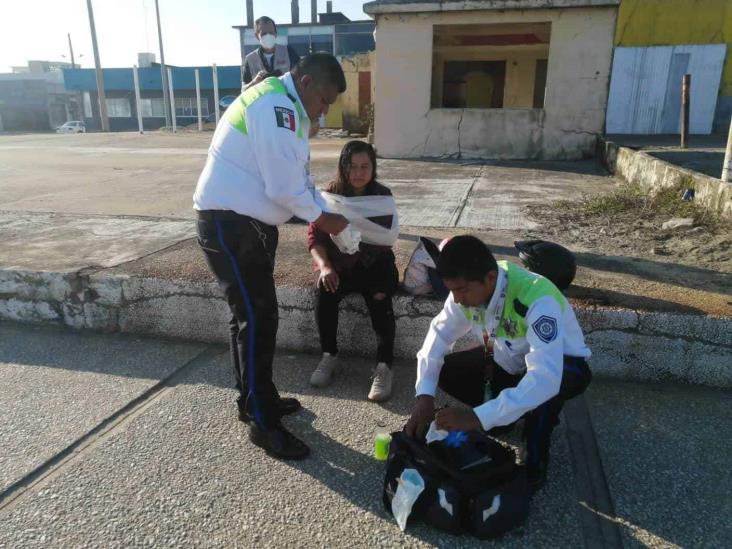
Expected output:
(117, 441)
(115, 252)
(644, 320)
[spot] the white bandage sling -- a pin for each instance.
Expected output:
(373, 218)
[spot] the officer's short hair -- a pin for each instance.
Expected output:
(465, 257)
(324, 69)
(264, 19)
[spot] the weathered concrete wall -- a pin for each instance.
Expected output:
(626, 343)
(653, 174)
(580, 54)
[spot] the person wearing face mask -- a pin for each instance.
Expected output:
(270, 59)
(257, 177)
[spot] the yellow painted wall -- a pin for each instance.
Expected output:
(334, 118)
(674, 22)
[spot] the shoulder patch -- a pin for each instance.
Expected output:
(285, 118)
(545, 328)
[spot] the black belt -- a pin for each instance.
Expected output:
(221, 215)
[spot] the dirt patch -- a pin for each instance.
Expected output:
(627, 222)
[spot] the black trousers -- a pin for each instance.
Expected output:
(465, 374)
(380, 277)
(240, 251)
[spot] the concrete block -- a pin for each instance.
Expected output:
(715, 330)
(34, 285)
(603, 318)
(101, 317)
(194, 318)
(73, 315)
(107, 290)
(38, 312)
(635, 356)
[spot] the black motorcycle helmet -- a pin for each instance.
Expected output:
(548, 259)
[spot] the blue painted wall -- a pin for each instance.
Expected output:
(122, 79)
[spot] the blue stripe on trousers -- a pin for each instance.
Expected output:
(250, 328)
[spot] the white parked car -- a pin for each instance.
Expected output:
(73, 126)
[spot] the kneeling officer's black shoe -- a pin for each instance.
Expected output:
(278, 442)
(285, 406)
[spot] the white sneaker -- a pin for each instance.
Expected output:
(323, 374)
(381, 386)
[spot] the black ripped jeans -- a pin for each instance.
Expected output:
(379, 277)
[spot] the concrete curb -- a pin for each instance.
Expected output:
(627, 344)
(651, 174)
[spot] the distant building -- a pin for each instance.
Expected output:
(33, 98)
(351, 41)
(333, 33)
(120, 94)
(491, 78)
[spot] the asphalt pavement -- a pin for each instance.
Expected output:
(117, 441)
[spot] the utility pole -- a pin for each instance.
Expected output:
(71, 51)
(79, 98)
(727, 167)
(163, 72)
(100, 77)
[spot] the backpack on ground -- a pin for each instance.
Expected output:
(469, 483)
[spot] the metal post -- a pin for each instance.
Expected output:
(138, 105)
(172, 100)
(71, 51)
(685, 90)
(100, 76)
(216, 91)
(727, 167)
(79, 99)
(163, 73)
(198, 101)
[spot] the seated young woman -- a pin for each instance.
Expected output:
(371, 271)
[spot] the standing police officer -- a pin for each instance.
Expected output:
(270, 59)
(255, 178)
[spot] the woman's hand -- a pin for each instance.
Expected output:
(329, 279)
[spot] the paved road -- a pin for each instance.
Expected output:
(113, 441)
(154, 175)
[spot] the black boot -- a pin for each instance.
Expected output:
(285, 406)
(278, 442)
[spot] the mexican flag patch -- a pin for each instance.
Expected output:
(285, 118)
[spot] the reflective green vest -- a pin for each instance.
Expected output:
(524, 288)
(236, 114)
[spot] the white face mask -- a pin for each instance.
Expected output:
(268, 41)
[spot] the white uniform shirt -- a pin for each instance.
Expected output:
(543, 361)
(264, 173)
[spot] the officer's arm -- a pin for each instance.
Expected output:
(247, 74)
(445, 329)
(544, 363)
(281, 160)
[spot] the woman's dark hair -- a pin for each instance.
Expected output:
(465, 257)
(341, 185)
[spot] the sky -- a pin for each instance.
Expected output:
(195, 32)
